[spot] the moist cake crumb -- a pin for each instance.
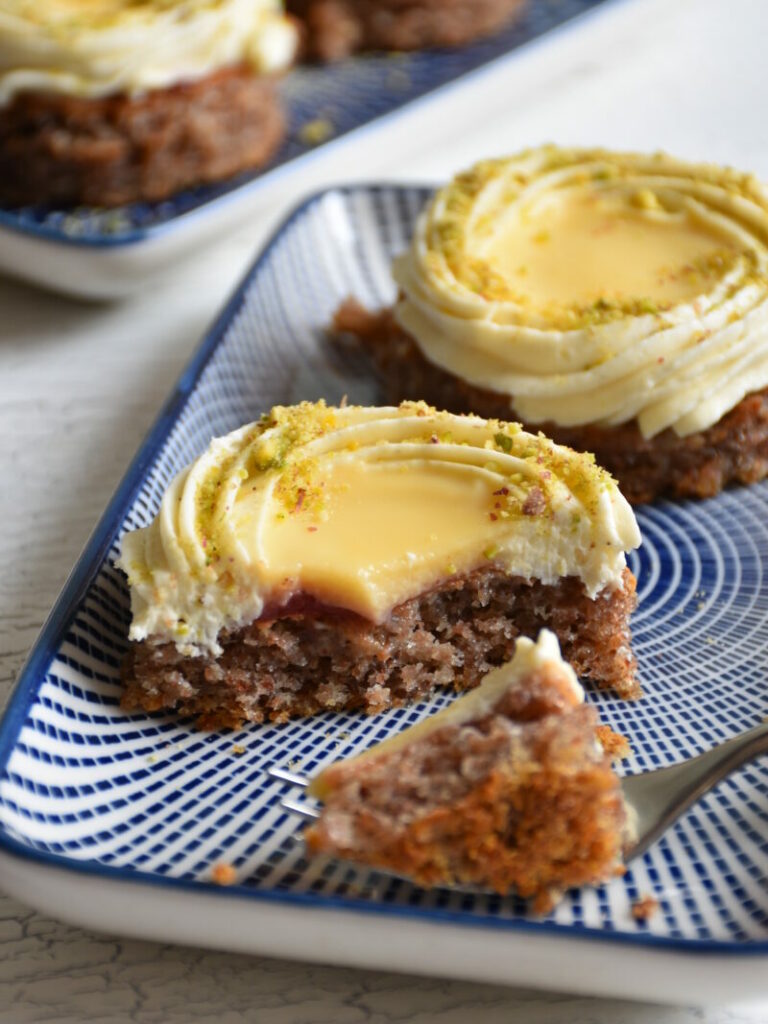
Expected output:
(644, 908)
(320, 659)
(223, 874)
(613, 743)
(112, 150)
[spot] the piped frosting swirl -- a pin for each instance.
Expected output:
(595, 287)
(92, 48)
(361, 509)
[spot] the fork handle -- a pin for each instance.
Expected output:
(659, 797)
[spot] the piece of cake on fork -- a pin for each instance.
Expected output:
(508, 788)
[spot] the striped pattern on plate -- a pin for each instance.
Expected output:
(132, 794)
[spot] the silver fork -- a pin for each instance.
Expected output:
(658, 798)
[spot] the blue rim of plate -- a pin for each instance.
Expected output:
(310, 94)
(33, 671)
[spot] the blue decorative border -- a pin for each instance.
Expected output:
(64, 610)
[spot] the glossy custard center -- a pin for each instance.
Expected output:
(380, 532)
(574, 247)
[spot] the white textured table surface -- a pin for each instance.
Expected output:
(79, 386)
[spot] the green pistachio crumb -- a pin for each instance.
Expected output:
(313, 133)
(645, 199)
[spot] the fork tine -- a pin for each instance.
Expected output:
(660, 796)
(285, 776)
(298, 808)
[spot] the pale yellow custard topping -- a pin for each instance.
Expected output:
(577, 246)
(595, 287)
(362, 509)
(92, 48)
(384, 523)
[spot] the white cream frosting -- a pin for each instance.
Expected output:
(93, 48)
(363, 508)
(674, 345)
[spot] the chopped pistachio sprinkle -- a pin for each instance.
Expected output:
(313, 133)
(277, 445)
(463, 219)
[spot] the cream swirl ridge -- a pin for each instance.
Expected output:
(595, 287)
(93, 48)
(362, 509)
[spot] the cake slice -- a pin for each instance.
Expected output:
(334, 29)
(357, 558)
(507, 789)
(615, 301)
(110, 102)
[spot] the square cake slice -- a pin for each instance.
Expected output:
(110, 102)
(509, 789)
(615, 301)
(357, 558)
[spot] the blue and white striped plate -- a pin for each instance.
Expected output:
(342, 97)
(124, 798)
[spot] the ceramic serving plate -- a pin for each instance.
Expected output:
(116, 821)
(106, 253)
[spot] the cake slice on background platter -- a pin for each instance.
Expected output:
(356, 558)
(336, 28)
(106, 102)
(616, 301)
(509, 788)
